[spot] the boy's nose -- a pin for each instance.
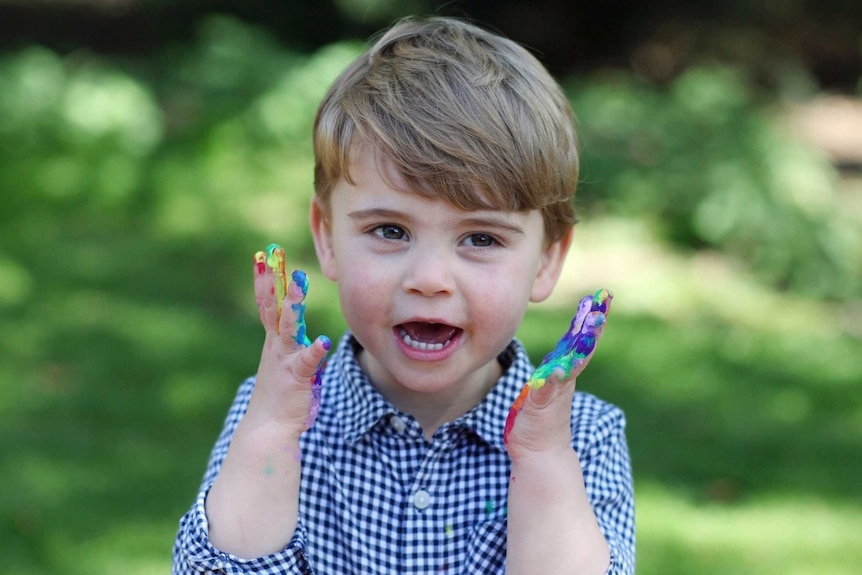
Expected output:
(428, 274)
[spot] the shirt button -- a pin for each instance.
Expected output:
(421, 499)
(397, 424)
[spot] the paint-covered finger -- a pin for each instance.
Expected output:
(579, 342)
(293, 328)
(516, 408)
(584, 308)
(574, 337)
(275, 262)
(314, 358)
(591, 329)
(264, 293)
(569, 339)
(594, 325)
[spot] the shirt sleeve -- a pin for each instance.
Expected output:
(193, 553)
(599, 432)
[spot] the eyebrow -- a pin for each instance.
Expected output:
(492, 222)
(489, 221)
(376, 213)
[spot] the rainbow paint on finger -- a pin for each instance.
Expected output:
(275, 261)
(300, 281)
(571, 352)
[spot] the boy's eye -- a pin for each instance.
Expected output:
(480, 240)
(390, 232)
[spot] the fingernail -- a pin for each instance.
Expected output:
(301, 280)
(275, 257)
(325, 342)
(602, 300)
(260, 262)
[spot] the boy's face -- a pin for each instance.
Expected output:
(432, 293)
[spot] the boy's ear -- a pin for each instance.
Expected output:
(321, 231)
(550, 267)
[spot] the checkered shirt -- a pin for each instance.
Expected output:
(377, 498)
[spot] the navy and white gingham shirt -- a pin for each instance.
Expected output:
(377, 498)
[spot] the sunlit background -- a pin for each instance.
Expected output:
(149, 148)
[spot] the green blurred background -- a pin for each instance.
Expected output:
(148, 148)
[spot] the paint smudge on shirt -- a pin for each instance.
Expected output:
(491, 510)
(571, 351)
(449, 530)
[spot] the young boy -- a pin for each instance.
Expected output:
(446, 164)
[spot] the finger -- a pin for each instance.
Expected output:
(293, 328)
(309, 360)
(264, 293)
(587, 340)
(584, 308)
(314, 358)
(593, 324)
(585, 343)
(516, 408)
(275, 262)
(599, 302)
(577, 345)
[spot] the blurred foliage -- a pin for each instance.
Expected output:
(137, 188)
(706, 161)
(168, 143)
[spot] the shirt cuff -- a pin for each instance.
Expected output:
(619, 566)
(195, 550)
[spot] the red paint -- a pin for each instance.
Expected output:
(513, 413)
(261, 267)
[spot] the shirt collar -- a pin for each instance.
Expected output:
(360, 407)
(488, 419)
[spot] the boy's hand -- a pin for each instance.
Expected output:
(287, 390)
(539, 420)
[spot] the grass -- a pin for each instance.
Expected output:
(121, 353)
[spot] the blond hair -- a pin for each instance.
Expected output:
(462, 114)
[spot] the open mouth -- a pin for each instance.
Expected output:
(427, 336)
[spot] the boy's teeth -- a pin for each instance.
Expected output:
(421, 344)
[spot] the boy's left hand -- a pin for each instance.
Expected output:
(539, 420)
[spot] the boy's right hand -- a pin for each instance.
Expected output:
(287, 388)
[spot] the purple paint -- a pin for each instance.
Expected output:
(571, 351)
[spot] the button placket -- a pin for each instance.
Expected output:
(439, 444)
